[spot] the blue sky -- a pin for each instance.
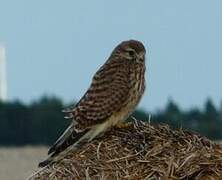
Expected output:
(55, 47)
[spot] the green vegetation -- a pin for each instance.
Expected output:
(41, 122)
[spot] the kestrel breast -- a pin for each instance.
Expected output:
(137, 81)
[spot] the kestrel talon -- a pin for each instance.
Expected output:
(113, 95)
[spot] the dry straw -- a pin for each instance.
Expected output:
(140, 151)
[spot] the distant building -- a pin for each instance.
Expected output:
(3, 81)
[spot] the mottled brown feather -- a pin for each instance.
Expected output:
(106, 95)
(110, 87)
(116, 89)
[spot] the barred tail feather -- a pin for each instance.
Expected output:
(70, 139)
(63, 145)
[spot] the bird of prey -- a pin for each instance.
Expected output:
(115, 91)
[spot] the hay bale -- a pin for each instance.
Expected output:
(141, 151)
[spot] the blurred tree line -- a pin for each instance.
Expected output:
(41, 122)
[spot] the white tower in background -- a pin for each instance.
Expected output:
(3, 81)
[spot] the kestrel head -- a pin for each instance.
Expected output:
(133, 50)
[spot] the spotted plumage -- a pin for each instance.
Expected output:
(115, 91)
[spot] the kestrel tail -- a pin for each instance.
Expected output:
(115, 91)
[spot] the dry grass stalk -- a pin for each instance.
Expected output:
(140, 151)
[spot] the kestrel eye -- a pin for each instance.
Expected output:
(131, 53)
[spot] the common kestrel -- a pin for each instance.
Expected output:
(115, 91)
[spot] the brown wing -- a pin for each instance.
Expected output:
(106, 95)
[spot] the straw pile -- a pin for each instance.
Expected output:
(141, 151)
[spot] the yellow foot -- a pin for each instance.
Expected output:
(120, 125)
